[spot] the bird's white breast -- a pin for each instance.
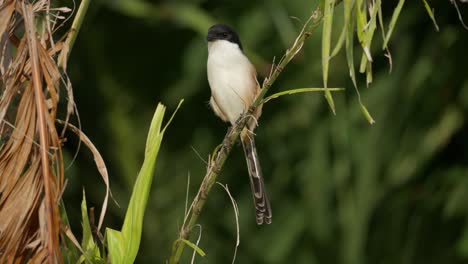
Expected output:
(231, 77)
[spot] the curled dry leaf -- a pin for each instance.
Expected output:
(100, 165)
(31, 163)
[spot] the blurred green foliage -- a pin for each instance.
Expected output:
(342, 191)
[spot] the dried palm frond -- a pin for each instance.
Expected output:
(31, 164)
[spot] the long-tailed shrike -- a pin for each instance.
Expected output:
(234, 86)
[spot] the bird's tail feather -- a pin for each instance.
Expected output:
(261, 201)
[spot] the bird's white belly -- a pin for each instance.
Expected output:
(232, 91)
(232, 84)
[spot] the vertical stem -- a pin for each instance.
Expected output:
(75, 28)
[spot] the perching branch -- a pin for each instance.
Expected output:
(220, 155)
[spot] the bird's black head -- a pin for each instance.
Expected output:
(223, 32)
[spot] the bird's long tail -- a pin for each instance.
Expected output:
(261, 201)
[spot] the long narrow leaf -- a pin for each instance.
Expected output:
(369, 35)
(92, 254)
(326, 41)
(431, 14)
(382, 27)
(341, 40)
(393, 21)
(192, 245)
(299, 90)
(348, 13)
(361, 24)
(349, 10)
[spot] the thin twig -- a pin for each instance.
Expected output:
(220, 156)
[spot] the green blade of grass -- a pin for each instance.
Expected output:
(393, 21)
(382, 27)
(361, 24)
(431, 14)
(369, 73)
(329, 6)
(70, 252)
(123, 245)
(91, 251)
(360, 20)
(349, 9)
(369, 35)
(348, 25)
(366, 113)
(300, 90)
(348, 13)
(192, 245)
(363, 64)
(372, 25)
(340, 42)
(366, 41)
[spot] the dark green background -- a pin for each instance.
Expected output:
(342, 191)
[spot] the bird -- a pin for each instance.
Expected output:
(234, 86)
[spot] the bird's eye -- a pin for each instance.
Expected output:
(224, 34)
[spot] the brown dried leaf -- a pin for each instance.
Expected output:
(6, 10)
(100, 165)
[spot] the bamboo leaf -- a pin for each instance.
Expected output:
(369, 73)
(393, 21)
(431, 14)
(349, 10)
(372, 25)
(361, 21)
(341, 40)
(326, 40)
(299, 90)
(348, 13)
(363, 64)
(192, 245)
(366, 113)
(382, 27)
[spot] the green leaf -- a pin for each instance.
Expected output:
(299, 90)
(431, 14)
(369, 73)
(326, 42)
(393, 21)
(361, 21)
(367, 30)
(87, 241)
(88, 245)
(366, 113)
(69, 251)
(192, 245)
(348, 13)
(123, 245)
(349, 10)
(341, 40)
(91, 251)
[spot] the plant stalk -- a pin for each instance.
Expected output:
(75, 28)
